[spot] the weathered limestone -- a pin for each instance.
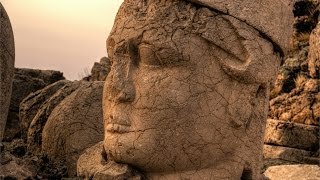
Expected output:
(301, 105)
(14, 170)
(290, 154)
(93, 162)
(25, 82)
(7, 55)
(34, 134)
(74, 125)
(187, 94)
(296, 95)
(30, 106)
(292, 135)
(100, 70)
(299, 171)
(259, 15)
(314, 56)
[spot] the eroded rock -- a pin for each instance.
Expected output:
(74, 125)
(314, 53)
(25, 82)
(100, 70)
(292, 155)
(299, 171)
(296, 95)
(30, 106)
(288, 134)
(34, 135)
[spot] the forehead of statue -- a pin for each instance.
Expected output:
(131, 23)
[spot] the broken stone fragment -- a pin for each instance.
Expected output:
(299, 171)
(294, 135)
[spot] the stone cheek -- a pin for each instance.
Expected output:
(7, 55)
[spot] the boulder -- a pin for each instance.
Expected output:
(294, 135)
(74, 125)
(62, 120)
(298, 171)
(34, 135)
(7, 56)
(26, 81)
(31, 104)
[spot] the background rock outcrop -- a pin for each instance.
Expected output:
(292, 133)
(7, 56)
(100, 70)
(25, 82)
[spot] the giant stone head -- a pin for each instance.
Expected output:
(187, 94)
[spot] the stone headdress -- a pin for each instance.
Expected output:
(272, 18)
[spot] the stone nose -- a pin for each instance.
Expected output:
(120, 86)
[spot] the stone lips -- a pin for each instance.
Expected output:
(277, 15)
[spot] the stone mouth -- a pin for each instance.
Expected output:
(117, 128)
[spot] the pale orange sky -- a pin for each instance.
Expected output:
(64, 35)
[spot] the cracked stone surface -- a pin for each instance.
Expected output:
(292, 155)
(39, 120)
(74, 125)
(289, 134)
(30, 105)
(7, 55)
(25, 82)
(298, 171)
(100, 70)
(187, 94)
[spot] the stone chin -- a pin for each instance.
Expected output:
(126, 148)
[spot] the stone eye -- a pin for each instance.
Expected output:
(148, 56)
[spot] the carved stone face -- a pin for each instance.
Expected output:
(187, 88)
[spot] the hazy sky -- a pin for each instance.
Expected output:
(64, 35)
